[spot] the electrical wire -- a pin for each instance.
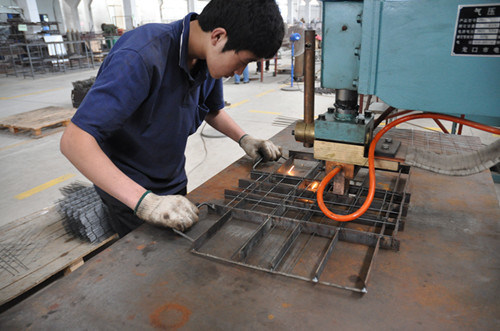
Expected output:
(204, 148)
(203, 136)
(371, 163)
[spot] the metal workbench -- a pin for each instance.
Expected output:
(444, 277)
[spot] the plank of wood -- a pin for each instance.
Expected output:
(38, 119)
(38, 247)
(73, 266)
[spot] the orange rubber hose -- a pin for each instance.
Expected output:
(371, 163)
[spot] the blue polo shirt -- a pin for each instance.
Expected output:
(145, 103)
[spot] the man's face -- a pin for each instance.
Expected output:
(226, 64)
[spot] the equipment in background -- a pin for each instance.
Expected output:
(80, 90)
(109, 29)
(294, 38)
(111, 33)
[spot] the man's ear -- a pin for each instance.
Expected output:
(217, 34)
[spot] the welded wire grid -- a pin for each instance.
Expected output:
(17, 254)
(271, 222)
(85, 216)
(436, 142)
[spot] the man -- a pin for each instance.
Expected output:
(157, 85)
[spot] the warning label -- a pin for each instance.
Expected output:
(477, 30)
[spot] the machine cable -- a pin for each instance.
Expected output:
(491, 154)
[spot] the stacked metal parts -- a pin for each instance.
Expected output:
(80, 90)
(85, 215)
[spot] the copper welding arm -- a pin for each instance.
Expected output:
(304, 130)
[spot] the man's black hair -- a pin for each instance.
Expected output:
(251, 25)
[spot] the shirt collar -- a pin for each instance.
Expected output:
(183, 50)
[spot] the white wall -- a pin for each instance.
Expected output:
(299, 10)
(315, 11)
(109, 12)
(147, 11)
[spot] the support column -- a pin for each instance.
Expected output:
(71, 18)
(88, 17)
(31, 14)
(191, 6)
(308, 12)
(290, 12)
(85, 15)
(129, 10)
(30, 10)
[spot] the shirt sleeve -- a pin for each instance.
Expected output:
(120, 88)
(215, 100)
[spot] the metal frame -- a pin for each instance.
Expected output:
(38, 60)
(286, 205)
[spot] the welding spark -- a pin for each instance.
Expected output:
(290, 172)
(306, 200)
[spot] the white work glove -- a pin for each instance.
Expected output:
(173, 211)
(258, 147)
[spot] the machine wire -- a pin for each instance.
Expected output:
(371, 162)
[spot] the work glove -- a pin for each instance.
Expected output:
(256, 148)
(172, 211)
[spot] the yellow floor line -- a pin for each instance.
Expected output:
(433, 129)
(264, 93)
(239, 103)
(284, 85)
(44, 186)
(15, 145)
(264, 112)
(34, 93)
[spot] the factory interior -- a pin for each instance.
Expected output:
(383, 211)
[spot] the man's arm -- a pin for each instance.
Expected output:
(86, 155)
(254, 147)
(222, 122)
(82, 150)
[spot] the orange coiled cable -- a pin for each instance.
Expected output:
(371, 163)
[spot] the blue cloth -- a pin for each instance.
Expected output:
(145, 103)
(246, 76)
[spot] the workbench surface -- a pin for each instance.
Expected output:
(445, 276)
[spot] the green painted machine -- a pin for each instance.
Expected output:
(432, 55)
(439, 56)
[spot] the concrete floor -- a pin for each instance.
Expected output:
(28, 162)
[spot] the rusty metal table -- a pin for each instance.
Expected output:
(445, 276)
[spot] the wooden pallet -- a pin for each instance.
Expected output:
(38, 119)
(36, 247)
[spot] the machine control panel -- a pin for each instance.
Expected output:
(477, 30)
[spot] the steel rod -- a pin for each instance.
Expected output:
(323, 230)
(326, 256)
(365, 219)
(212, 230)
(247, 247)
(287, 244)
(277, 272)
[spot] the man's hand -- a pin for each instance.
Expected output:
(258, 147)
(173, 211)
